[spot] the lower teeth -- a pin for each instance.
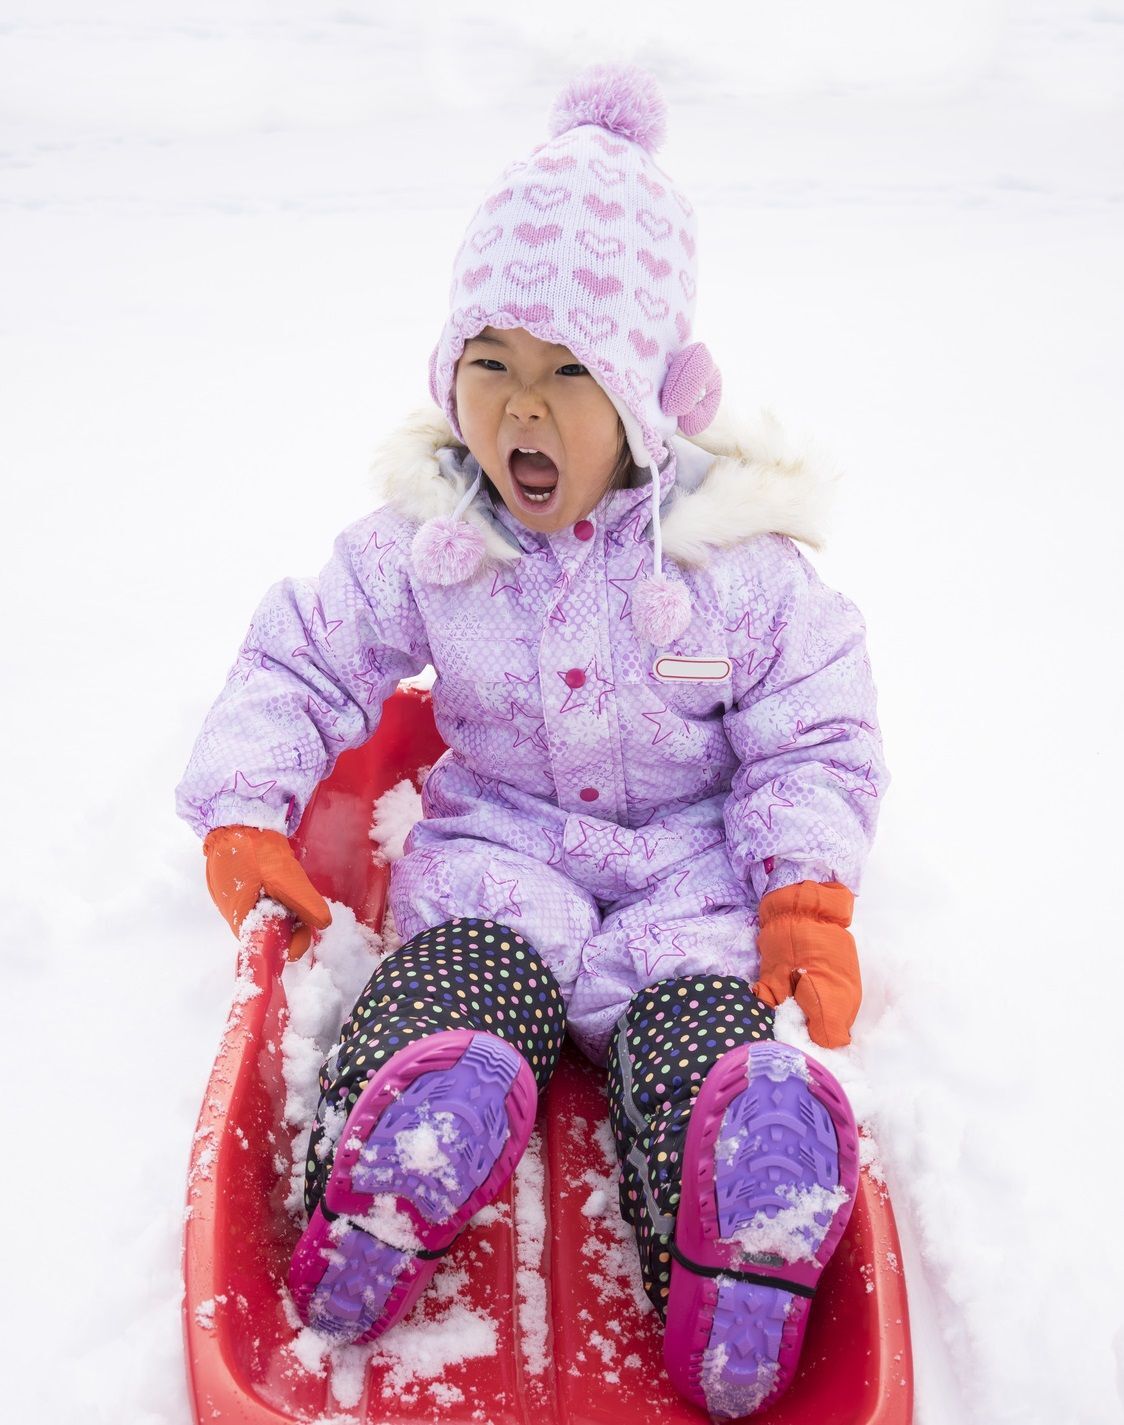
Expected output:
(538, 499)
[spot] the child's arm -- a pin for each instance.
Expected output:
(804, 803)
(320, 658)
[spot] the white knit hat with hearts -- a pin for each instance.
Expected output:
(587, 243)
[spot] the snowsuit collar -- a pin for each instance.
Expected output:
(736, 480)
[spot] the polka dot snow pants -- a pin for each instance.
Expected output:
(466, 974)
(666, 1043)
(477, 974)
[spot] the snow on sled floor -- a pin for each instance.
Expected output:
(537, 1313)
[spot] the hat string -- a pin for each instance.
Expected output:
(469, 495)
(657, 533)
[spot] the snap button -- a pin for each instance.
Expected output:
(574, 678)
(583, 529)
(589, 794)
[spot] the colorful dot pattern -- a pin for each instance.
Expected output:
(675, 1032)
(479, 974)
(465, 974)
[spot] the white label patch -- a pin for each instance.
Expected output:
(692, 670)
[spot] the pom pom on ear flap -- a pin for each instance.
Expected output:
(692, 388)
(447, 550)
(661, 610)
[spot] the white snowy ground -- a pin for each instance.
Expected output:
(227, 229)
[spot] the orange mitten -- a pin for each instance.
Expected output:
(807, 951)
(245, 863)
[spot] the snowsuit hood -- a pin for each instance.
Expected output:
(739, 479)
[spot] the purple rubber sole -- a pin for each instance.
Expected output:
(769, 1176)
(433, 1138)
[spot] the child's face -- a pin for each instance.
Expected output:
(514, 390)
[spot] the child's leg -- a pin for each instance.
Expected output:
(437, 1078)
(671, 1036)
(739, 1177)
(467, 974)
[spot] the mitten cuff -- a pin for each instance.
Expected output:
(828, 901)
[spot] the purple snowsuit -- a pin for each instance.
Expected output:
(622, 807)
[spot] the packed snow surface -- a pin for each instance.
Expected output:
(227, 233)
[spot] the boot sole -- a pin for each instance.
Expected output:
(769, 1177)
(432, 1139)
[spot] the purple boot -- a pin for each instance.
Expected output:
(770, 1169)
(432, 1139)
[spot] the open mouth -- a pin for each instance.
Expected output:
(534, 477)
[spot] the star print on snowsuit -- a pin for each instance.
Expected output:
(624, 824)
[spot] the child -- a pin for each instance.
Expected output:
(662, 779)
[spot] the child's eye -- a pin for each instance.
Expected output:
(489, 365)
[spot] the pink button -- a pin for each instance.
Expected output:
(583, 529)
(574, 678)
(589, 794)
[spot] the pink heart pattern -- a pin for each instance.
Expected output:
(530, 274)
(481, 241)
(608, 212)
(655, 308)
(535, 237)
(599, 244)
(594, 329)
(657, 266)
(577, 258)
(540, 312)
(656, 226)
(543, 196)
(598, 286)
(611, 177)
(639, 384)
(646, 346)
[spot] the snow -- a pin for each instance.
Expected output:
(395, 812)
(792, 1233)
(384, 1221)
(732, 1399)
(530, 1286)
(220, 289)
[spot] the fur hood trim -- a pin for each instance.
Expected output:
(737, 479)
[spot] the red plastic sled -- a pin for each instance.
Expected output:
(597, 1353)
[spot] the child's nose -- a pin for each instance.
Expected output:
(526, 405)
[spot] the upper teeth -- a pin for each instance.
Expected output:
(524, 450)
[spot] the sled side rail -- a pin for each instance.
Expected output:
(232, 1270)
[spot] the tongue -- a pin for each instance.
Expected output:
(535, 472)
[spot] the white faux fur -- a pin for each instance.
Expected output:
(758, 483)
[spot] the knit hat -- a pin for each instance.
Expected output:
(588, 244)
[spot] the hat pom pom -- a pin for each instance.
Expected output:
(622, 98)
(447, 551)
(661, 610)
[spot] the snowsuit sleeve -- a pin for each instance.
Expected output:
(320, 658)
(804, 802)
